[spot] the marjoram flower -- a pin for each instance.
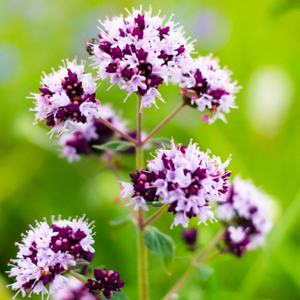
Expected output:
(139, 52)
(184, 178)
(67, 98)
(246, 214)
(47, 252)
(208, 87)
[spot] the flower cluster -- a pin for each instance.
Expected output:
(67, 97)
(91, 134)
(208, 87)
(139, 53)
(246, 214)
(47, 252)
(105, 281)
(75, 290)
(184, 178)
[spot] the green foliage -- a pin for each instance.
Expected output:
(119, 296)
(161, 245)
(204, 271)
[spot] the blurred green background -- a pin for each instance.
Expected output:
(258, 40)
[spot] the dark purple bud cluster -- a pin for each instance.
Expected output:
(189, 236)
(68, 241)
(107, 282)
(143, 185)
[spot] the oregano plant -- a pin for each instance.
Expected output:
(138, 53)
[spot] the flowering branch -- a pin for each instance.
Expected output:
(164, 122)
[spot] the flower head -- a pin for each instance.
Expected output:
(140, 52)
(108, 282)
(47, 252)
(75, 290)
(208, 87)
(67, 97)
(246, 215)
(184, 178)
(90, 134)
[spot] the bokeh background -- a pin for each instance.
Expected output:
(258, 40)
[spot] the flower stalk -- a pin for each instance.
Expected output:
(163, 123)
(157, 214)
(143, 284)
(78, 276)
(112, 127)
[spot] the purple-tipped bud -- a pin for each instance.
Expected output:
(189, 236)
(106, 282)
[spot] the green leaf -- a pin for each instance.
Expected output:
(119, 296)
(114, 146)
(159, 140)
(120, 220)
(160, 244)
(204, 271)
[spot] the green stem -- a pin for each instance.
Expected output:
(164, 122)
(158, 213)
(198, 260)
(211, 245)
(77, 276)
(179, 283)
(142, 250)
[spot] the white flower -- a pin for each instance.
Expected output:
(249, 209)
(46, 252)
(184, 178)
(208, 86)
(67, 97)
(139, 53)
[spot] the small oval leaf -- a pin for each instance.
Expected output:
(160, 244)
(204, 271)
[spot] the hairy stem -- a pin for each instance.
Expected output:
(198, 260)
(113, 128)
(158, 213)
(142, 250)
(77, 276)
(164, 122)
